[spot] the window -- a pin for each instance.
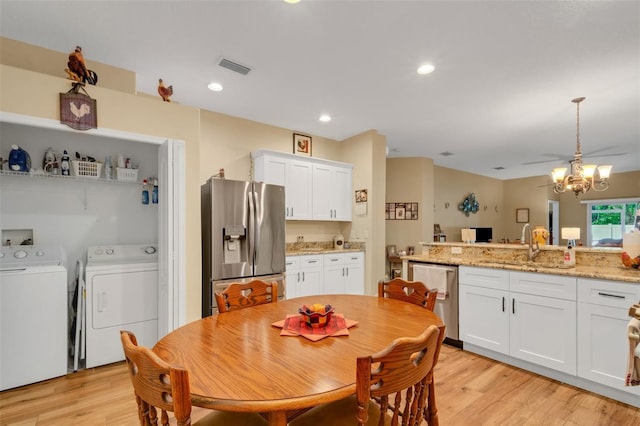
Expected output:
(607, 220)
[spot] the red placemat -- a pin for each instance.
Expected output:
(294, 325)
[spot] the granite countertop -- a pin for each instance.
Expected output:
(597, 263)
(609, 272)
(319, 250)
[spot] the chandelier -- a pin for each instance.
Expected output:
(581, 178)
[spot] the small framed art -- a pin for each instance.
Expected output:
(522, 215)
(302, 144)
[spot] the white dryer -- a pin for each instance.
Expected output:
(33, 315)
(121, 294)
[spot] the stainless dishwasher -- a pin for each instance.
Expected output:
(447, 308)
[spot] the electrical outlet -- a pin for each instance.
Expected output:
(300, 238)
(456, 250)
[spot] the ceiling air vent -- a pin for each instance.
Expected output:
(234, 66)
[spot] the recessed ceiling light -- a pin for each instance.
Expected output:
(324, 118)
(426, 69)
(215, 87)
(291, 1)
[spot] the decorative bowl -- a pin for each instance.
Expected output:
(316, 315)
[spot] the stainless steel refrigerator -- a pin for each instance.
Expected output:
(243, 236)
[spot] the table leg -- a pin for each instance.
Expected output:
(277, 418)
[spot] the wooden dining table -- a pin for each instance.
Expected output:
(238, 361)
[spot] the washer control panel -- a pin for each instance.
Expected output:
(23, 256)
(123, 253)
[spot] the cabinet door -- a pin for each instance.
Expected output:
(334, 274)
(332, 192)
(311, 276)
(484, 319)
(543, 331)
(603, 347)
(299, 190)
(293, 277)
(323, 192)
(354, 277)
(294, 175)
(343, 194)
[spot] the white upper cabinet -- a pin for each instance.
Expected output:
(315, 189)
(293, 174)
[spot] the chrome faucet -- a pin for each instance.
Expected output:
(532, 253)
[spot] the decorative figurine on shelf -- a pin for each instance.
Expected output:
(164, 92)
(633, 366)
(77, 70)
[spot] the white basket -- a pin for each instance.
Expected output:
(86, 169)
(126, 174)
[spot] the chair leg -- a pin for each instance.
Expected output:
(431, 411)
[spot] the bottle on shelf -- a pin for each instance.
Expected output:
(108, 170)
(145, 192)
(64, 164)
(154, 193)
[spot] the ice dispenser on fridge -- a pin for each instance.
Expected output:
(234, 237)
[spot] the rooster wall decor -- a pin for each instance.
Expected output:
(78, 110)
(164, 92)
(77, 70)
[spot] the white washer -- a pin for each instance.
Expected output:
(33, 315)
(122, 294)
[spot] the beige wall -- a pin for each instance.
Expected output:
(410, 180)
(44, 61)
(452, 187)
(367, 154)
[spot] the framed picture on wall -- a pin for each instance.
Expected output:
(302, 144)
(522, 215)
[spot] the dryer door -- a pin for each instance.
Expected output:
(122, 298)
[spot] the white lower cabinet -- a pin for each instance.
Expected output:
(305, 275)
(530, 327)
(344, 273)
(570, 329)
(484, 320)
(603, 346)
(335, 273)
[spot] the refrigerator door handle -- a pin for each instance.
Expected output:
(253, 226)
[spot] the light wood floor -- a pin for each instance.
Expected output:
(471, 390)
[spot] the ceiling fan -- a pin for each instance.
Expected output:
(558, 157)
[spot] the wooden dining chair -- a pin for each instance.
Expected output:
(160, 388)
(245, 295)
(408, 291)
(392, 387)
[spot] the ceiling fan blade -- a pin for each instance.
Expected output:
(555, 160)
(605, 155)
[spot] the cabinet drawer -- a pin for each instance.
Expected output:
(311, 261)
(356, 257)
(292, 262)
(608, 293)
(484, 277)
(334, 259)
(555, 286)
